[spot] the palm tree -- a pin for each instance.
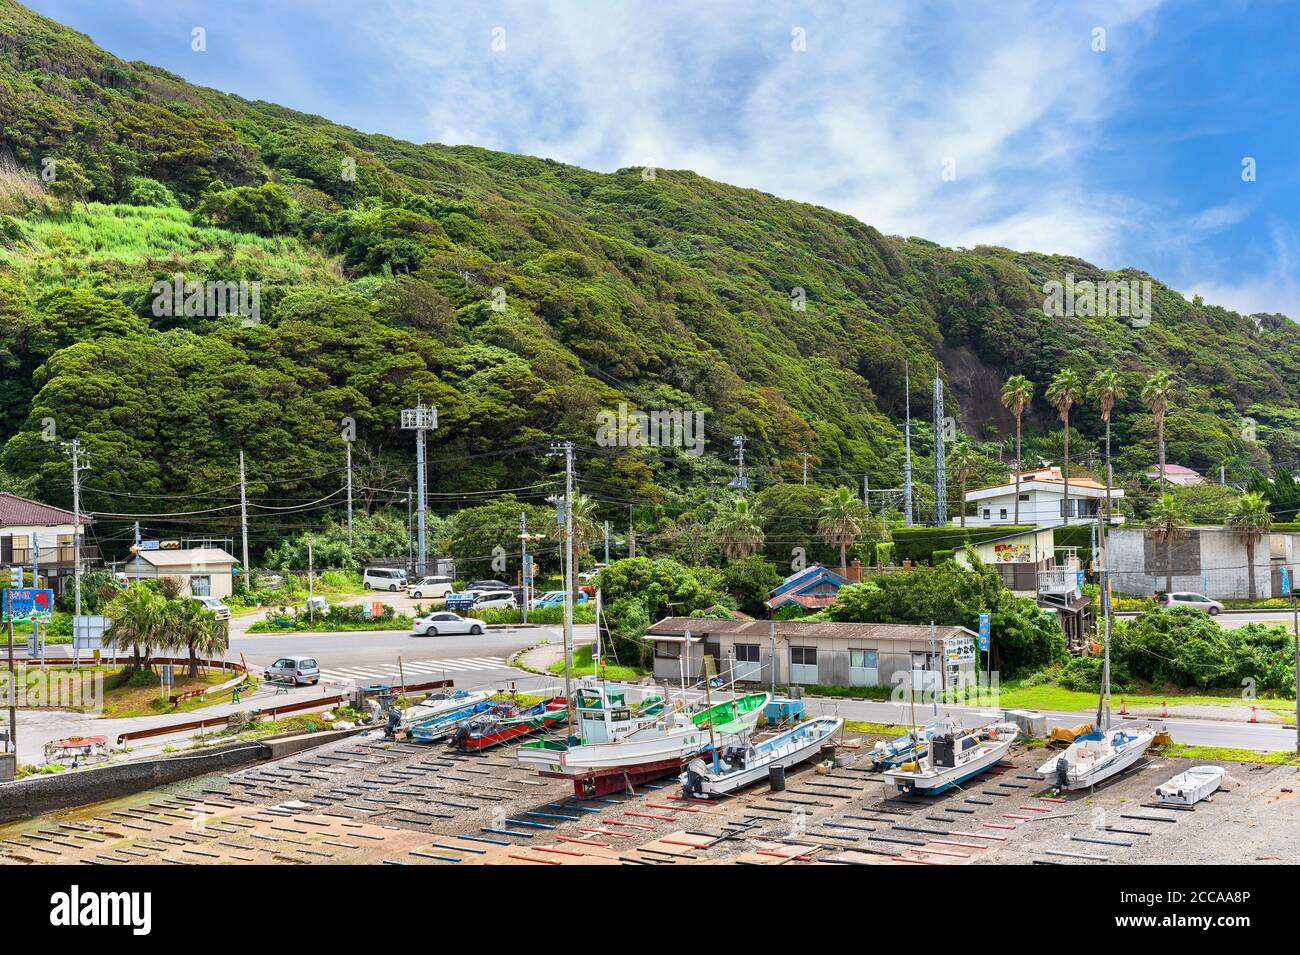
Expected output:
(585, 529)
(137, 615)
(1155, 395)
(737, 531)
(1066, 389)
(1251, 520)
(963, 461)
(842, 521)
(190, 625)
(1166, 523)
(1107, 388)
(1016, 395)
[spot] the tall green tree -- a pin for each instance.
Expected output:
(1016, 395)
(842, 521)
(737, 530)
(1156, 394)
(1251, 520)
(1065, 390)
(1106, 388)
(1168, 525)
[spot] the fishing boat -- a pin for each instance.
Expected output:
(953, 756)
(440, 702)
(1095, 757)
(505, 722)
(432, 729)
(601, 759)
(744, 763)
(1189, 788)
(905, 749)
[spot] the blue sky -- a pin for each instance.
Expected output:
(1129, 155)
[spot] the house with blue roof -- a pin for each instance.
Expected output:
(812, 588)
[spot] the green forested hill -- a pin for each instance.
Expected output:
(520, 295)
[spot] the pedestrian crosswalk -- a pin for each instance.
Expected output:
(432, 669)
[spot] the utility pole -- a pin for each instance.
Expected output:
(35, 648)
(907, 444)
(523, 558)
(940, 468)
(805, 468)
(349, 450)
(74, 449)
(866, 492)
(1103, 703)
(420, 419)
(243, 522)
(13, 683)
(607, 543)
(410, 559)
(741, 483)
(631, 534)
(311, 584)
(566, 448)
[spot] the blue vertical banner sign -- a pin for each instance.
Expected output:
(985, 629)
(1286, 581)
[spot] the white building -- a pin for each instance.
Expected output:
(1042, 501)
(1176, 475)
(202, 571)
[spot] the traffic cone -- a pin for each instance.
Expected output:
(1252, 715)
(1164, 708)
(1123, 707)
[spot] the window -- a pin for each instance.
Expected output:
(307, 664)
(1002, 514)
(747, 665)
(1024, 497)
(667, 651)
(862, 659)
(987, 513)
(201, 586)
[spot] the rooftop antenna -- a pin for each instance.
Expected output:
(940, 471)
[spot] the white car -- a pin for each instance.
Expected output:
(444, 623)
(383, 578)
(427, 588)
(1195, 601)
(220, 610)
(495, 600)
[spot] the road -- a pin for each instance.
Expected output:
(1264, 737)
(1232, 619)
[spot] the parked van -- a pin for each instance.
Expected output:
(430, 588)
(383, 578)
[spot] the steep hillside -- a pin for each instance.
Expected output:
(521, 295)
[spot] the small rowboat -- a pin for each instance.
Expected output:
(1189, 788)
(431, 729)
(440, 703)
(506, 723)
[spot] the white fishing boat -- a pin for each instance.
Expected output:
(606, 758)
(744, 763)
(1189, 788)
(1095, 757)
(953, 756)
(438, 703)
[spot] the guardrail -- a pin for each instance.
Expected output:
(317, 701)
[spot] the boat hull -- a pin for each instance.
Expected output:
(1189, 788)
(798, 751)
(934, 783)
(1119, 761)
(616, 779)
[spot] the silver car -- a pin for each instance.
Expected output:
(444, 622)
(295, 670)
(1195, 601)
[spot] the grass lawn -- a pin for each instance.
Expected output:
(139, 695)
(874, 729)
(1229, 754)
(582, 667)
(1049, 697)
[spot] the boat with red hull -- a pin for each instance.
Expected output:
(506, 722)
